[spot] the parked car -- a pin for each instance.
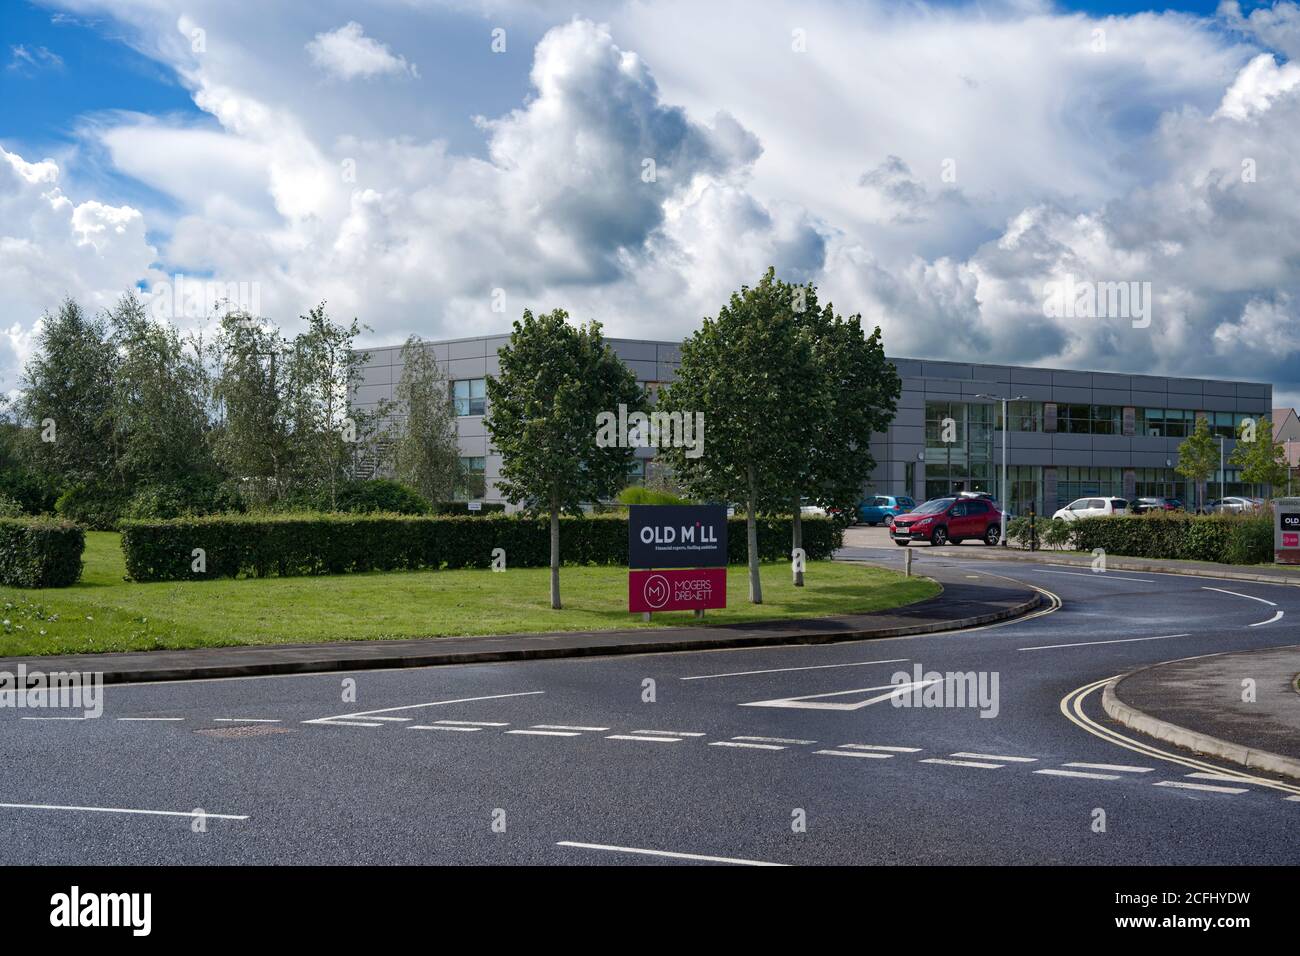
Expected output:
(884, 508)
(1092, 507)
(948, 521)
(812, 511)
(1233, 505)
(1143, 505)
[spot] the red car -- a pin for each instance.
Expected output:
(949, 521)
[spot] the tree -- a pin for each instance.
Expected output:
(751, 372)
(425, 447)
(555, 379)
(159, 402)
(252, 436)
(67, 397)
(1198, 455)
(855, 394)
(1262, 460)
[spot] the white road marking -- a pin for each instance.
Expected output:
(1122, 640)
(391, 719)
(737, 743)
(1275, 617)
(432, 703)
(1121, 768)
(963, 763)
(1249, 597)
(56, 718)
(854, 753)
(670, 733)
(152, 718)
(246, 720)
(1200, 786)
(783, 670)
(996, 757)
(661, 740)
(775, 740)
(547, 733)
(563, 727)
(814, 702)
(350, 723)
(1100, 575)
(897, 750)
(466, 730)
(1078, 773)
(666, 853)
(155, 813)
(1223, 777)
(1294, 799)
(474, 723)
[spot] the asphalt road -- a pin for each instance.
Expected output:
(716, 755)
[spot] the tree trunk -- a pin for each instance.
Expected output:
(751, 540)
(796, 528)
(555, 557)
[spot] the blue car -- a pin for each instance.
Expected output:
(884, 508)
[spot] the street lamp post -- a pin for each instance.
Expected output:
(1005, 423)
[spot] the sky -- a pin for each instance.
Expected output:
(434, 167)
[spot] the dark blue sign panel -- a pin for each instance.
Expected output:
(677, 536)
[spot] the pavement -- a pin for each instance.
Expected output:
(864, 536)
(966, 601)
(984, 745)
(1241, 706)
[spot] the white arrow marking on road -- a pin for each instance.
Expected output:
(964, 763)
(1200, 786)
(814, 702)
(432, 703)
(1078, 773)
(1275, 617)
(665, 853)
(1239, 594)
(784, 670)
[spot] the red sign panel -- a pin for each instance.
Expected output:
(1290, 539)
(676, 590)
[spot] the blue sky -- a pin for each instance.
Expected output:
(932, 166)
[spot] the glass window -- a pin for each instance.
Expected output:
(469, 396)
(1023, 416)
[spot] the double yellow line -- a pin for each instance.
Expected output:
(1072, 707)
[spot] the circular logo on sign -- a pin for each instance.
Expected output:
(656, 590)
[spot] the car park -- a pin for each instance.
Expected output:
(884, 508)
(1143, 505)
(1232, 505)
(1092, 508)
(949, 521)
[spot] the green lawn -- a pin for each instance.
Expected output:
(106, 613)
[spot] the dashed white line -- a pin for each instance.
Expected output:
(1122, 640)
(660, 740)
(474, 723)
(1078, 773)
(784, 670)
(896, 750)
(1118, 767)
(246, 720)
(464, 730)
(564, 727)
(1200, 786)
(737, 743)
(155, 813)
(670, 733)
(346, 723)
(666, 853)
(775, 740)
(1223, 777)
(963, 763)
(1249, 597)
(855, 753)
(547, 733)
(56, 718)
(394, 720)
(158, 719)
(996, 757)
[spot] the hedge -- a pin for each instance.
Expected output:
(1227, 539)
(264, 545)
(40, 553)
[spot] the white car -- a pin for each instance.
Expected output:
(1091, 508)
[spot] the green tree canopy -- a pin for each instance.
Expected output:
(1261, 459)
(425, 447)
(1198, 455)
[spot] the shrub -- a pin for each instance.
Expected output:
(380, 495)
(637, 495)
(1235, 539)
(40, 553)
(95, 505)
(462, 508)
(1018, 532)
(263, 545)
(36, 492)
(10, 507)
(176, 499)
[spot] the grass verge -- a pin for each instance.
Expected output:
(106, 613)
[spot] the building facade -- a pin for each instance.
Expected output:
(1072, 433)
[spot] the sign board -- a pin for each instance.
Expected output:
(476, 506)
(1286, 530)
(676, 590)
(677, 536)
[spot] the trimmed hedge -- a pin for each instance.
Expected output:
(284, 545)
(1227, 539)
(462, 508)
(40, 553)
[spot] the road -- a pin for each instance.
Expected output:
(677, 758)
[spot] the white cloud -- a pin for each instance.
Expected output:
(348, 53)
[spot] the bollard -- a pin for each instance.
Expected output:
(907, 562)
